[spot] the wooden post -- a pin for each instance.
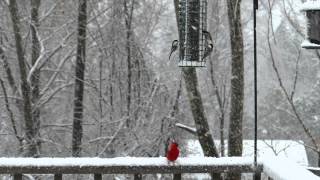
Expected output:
(177, 177)
(257, 176)
(315, 171)
(58, 177)
(17, 177)
(138, 177)
(98, 166)
(97, 176)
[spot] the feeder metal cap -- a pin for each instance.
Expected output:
(310, 5)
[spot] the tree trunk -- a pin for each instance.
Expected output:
(202, 126)
(237, 82)
(30, 146)
(35, 78)
(221, 109)
(79, 85)
(128, 23)
(8, 71)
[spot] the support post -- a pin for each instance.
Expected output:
(58, 177)
(17, 177)
(138, 177)
(257, 176)
(97, 176)
(177, 177)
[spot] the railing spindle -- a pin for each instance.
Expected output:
(97, 176)
(138, 177)
(257, 176)
(177, 177)
(58, 177)
(17, 177)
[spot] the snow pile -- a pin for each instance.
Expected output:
(310, 5)
(284, 169)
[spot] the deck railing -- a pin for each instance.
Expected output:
(274, 169)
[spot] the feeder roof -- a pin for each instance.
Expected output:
(310, 5)
(309, 45)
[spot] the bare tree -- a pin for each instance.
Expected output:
(289, 96)
(218, 81)
(31, 148)
(11, 115)
(35, 59)
(237, 82)
(128, 12)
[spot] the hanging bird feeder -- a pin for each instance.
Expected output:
(192, 22)
(312, 13)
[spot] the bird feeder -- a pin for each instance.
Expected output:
(312, 13)
(192, 21)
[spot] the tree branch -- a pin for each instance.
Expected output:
(293, 107)
(189, 129)
(11, 116)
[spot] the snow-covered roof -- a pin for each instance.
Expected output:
(293, 150)
(283, 169)
(310, 5)
(309, 45)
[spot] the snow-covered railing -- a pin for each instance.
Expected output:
(275, 168)
(283, 169)
(123, 165)
(314, 170)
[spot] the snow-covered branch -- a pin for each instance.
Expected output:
(120, 126)
(53, 77)
(42, 53)
(100, 139)
(48, 12)
(187, 128)
(50, 96)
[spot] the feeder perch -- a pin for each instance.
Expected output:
(192, 21)
(312, 13)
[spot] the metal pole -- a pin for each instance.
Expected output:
(257, 176)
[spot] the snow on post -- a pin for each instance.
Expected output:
(310, 5)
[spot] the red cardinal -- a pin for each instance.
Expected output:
(173, 151)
